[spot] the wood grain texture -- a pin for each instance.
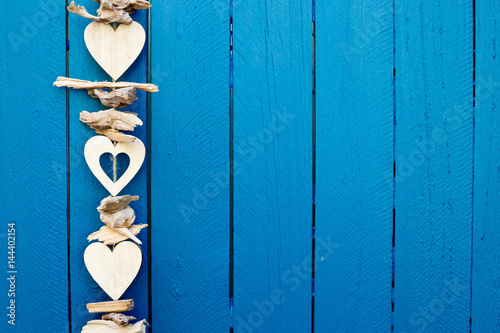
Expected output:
(118, 318)
(189, 173)
(111, 11)
(115, 50)
(354, 75)
(113, 268)
(85, 190)
(33, 167)
(111, 306)
(117, 120)
(84, 84)
(106, 326)
(99, 145)
(485, 274)
(434, 66)
(273, 165)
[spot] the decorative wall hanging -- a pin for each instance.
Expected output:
(112, 261)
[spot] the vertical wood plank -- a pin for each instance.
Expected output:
(33, 168)
(190, 166)
(434, 65)
(273, 165)
(354, 198)
(85, 190)
(486, 259)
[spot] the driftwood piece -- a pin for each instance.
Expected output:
(112, 204)
(111, 119)
(118, 98)
(118, 318)
(107, 326)
(111, 11)
(114, 306)
(110, 122)
(108, 15)
(120, 219)
(127, 233)
(109, 236)
(82, 84)
(115, 135)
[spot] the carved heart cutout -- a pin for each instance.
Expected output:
(115, 50)
(99, 145)
(113, 271)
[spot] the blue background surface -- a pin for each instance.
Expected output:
(313, 166)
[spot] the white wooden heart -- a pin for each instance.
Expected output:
(115, 50)
(114, 271)
(99, 145)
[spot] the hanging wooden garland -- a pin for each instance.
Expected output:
(112, 261)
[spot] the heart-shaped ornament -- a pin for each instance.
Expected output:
(115, 50)
(114, 271)
(99, 145)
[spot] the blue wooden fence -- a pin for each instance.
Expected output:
(313, 166)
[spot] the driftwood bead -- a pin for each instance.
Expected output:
(118, 318)
(111, 11)
(111, 119)
(112, 204)
(118, 98)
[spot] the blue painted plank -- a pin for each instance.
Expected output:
(434, 132)
(85, 190)
(33, 168)
(486, 258)
(354, 198)
(273, 165)
(189, 167)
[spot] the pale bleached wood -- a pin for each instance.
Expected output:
(127, 233)
(120, 222)
(99, 145)
(111, 11)
(119, 219)
(111, 119)
(107, 15)
(115, 135)
(70, 79)
(107, 326)
(109, 236)
(118, 318)
(110, 205)
(109, 122)
(115, 270)
(114, 306)
(83, 84)
(118, 98)
(115, 50)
